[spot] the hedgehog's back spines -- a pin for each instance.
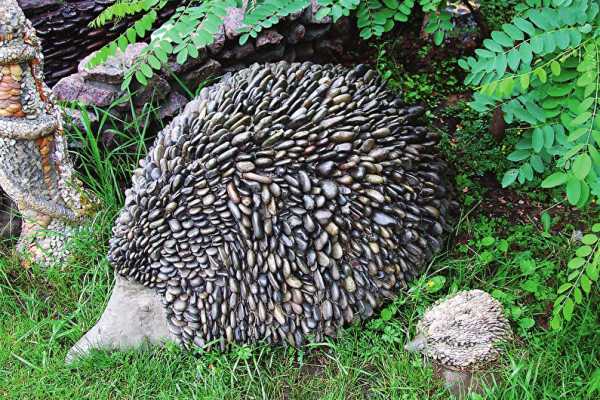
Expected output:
(285, 201)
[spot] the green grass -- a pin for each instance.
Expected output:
(43, 312)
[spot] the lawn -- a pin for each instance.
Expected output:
(514, 243)
(45, 311)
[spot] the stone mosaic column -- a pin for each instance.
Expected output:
(34, 167)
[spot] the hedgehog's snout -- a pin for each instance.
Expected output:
(417, 345)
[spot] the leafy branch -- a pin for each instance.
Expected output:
(543, 71)
(584, 269)
(121, 9)
(191, 28)
(533, 70)
(194, 25)
(137, 31)
(267, 14)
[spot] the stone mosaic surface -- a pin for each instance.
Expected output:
(285, 201)
(34, 168)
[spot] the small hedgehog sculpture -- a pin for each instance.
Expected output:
(284, 202)
(462, 335)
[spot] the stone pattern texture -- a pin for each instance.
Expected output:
(464, 331)
(463, 337)
(35, 171)
(285, 201)
(62, 26)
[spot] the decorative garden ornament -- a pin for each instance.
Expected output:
(284, 202)
(35, 170)
(463, 337)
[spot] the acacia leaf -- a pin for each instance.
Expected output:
(573, 190)
(556, 179)
(568, 309)
(582, 166)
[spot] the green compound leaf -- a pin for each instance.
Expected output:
(555, 68)
(582, 166)
(512, 31)
(576, 263)
(589, 239)
(502, 38)
(537, 140)
(509, 177)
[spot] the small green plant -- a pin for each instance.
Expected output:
(106, 169)
(583, 271)
(429, 88)
(517, 266)
(389, 328)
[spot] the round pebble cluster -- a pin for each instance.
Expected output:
(14, 55)
(10, 91)
(284, 202)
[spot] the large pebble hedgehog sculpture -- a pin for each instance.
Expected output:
(285, 201)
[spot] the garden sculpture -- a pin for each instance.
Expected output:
(463, 335)
(284, 202)
(35, 170)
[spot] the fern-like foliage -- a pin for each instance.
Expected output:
(139, 30)
(376, 17)
(336, 8)
(583, 272)
(190, 29)
(121, 9)
(266, 14)
(439, 21)
(194, 25)
(543, 70)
